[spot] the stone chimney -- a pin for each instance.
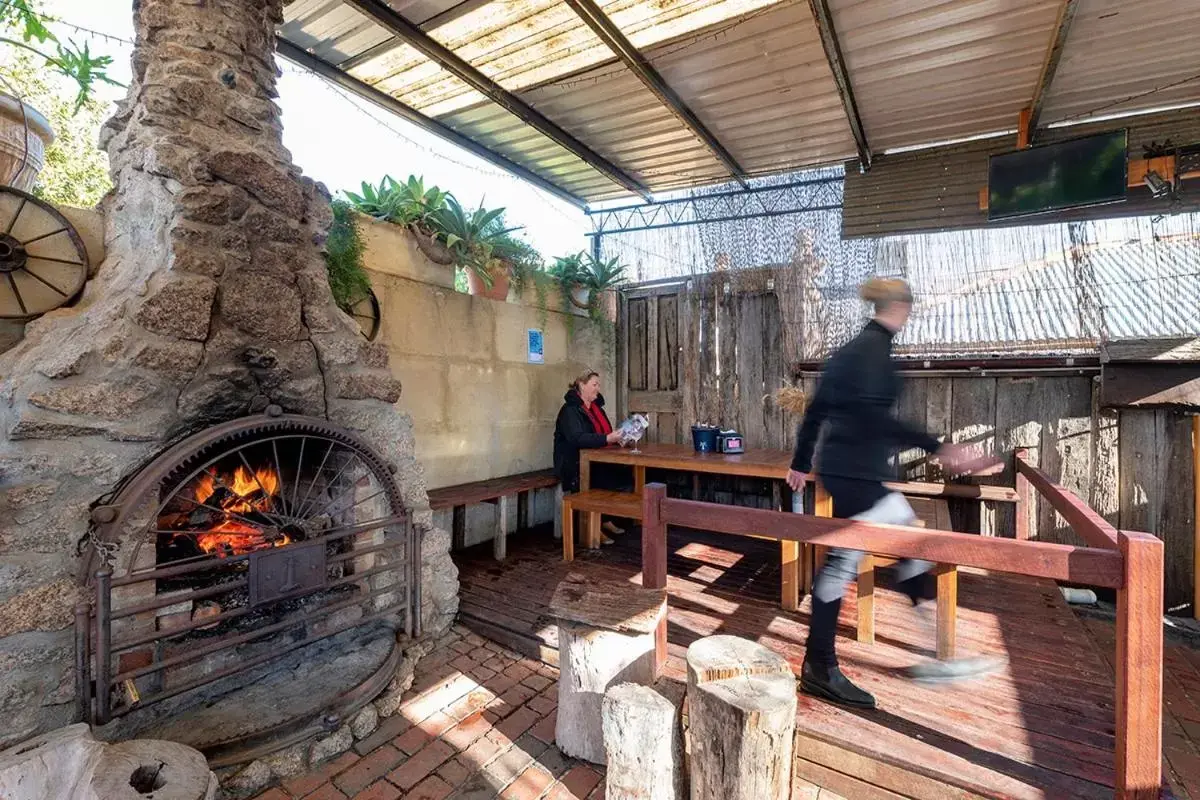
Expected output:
(212, 302)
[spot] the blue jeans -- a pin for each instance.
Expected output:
(851, 498)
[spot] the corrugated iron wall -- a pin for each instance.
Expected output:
(938, 189)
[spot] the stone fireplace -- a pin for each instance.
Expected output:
(204, 440)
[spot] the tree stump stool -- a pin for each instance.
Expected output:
(741, 720)
(605, 637)
(644, 742)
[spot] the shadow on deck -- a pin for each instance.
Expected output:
(1042, 728)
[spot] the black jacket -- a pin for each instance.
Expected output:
(854, 403)
(574, 432)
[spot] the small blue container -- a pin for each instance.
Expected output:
(704, 438)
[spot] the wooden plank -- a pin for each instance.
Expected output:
(483, 491)
(973, 422)
(1138, 456)
(1018, 425)
(638, 336)
(1169, 384)
(646, 402)
(668, 342)
(568, 529)
(689, 358)
(939, 396)
(1139, 669)
(1104, 484)
(458, 527)
(749, 369)
(1196, 516)
(654, 561)
(1175, 520)
(727, 343)
(652, 343)
(709, 399)
(774, 361)
(667, 428)
(1090, 527)
(1066, 448)
(622, 376)
(1088, 566)
(827, 781)
(912, 408)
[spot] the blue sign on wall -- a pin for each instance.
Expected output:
(537, 354)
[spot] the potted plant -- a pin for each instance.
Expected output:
(409, 204)
(25, 133)
(571, 275)
(473, 237)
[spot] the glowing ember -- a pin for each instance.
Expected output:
(237, 499)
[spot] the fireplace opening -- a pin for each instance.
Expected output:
(254, 548)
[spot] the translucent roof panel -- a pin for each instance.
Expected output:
(525, 43)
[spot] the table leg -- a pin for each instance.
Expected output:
(947, 609)
(593, 532)
(568, 529)
(866, 599)
(789, 553)
(639, 479)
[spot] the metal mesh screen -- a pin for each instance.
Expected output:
(1035, 289)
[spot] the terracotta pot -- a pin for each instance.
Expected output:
(435, 250)
(499, 290)
(19, 164)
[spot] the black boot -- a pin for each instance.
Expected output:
(830, 684)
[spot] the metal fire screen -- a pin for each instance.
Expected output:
(236, 546)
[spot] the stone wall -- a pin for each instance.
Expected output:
(212, 300)
(482, 410)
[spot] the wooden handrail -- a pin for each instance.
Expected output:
(1091, 527)
(1134, 568)
(1090, 566)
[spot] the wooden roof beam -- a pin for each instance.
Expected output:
(446, 58)
(841, 76)
(1058, 42)
(640, 66)
(303, 58)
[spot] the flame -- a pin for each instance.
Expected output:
(246, 493)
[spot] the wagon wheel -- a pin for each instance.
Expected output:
(365, 310)
(43, 263)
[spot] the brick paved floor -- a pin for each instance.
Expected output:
(477, 724)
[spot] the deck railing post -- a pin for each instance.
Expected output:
(654, 559)
(1139, 668)
(1024, 494)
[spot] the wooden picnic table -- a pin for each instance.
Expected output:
(797, 562)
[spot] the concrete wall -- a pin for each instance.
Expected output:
(480, 410)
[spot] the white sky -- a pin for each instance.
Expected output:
(340, 140)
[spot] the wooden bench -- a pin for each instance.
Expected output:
(495, 491)
(594, 502)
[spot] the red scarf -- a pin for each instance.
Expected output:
(600, 423)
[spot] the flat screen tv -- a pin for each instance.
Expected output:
(1078, 172)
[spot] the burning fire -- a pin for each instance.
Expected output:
(241, 497)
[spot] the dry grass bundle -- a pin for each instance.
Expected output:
(791, 399)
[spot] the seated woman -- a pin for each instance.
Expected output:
(583, 425)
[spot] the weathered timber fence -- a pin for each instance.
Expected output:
(697, 353)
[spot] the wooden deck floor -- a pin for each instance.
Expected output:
(1043, 728)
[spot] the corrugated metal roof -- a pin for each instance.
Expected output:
(1127, 55)
(929, 72)
(755, 74)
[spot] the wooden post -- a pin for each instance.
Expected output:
(558, 511)
(639, 479)
(947, 610)
(866, 599)
(1024, 496)
(500, 537)
(593, 529)
(654, 560)
(586, 531)
(1196, 516)
(1139, 668)
(568, 528)
(523, 499)
(789, 558)
(458, 527)
(742, 719)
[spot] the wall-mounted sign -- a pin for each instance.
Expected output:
(537, 354)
